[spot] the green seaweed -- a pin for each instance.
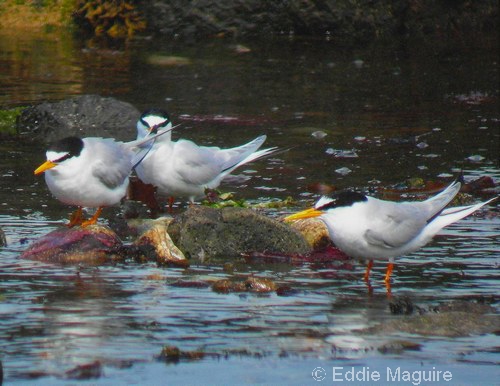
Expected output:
(219, 200)
(8, 119)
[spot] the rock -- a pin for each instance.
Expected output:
(93, 245)
(314, 231)
(87, 371)
(172, 354)
(344, 20)
(458, 318)
(403, 306)
(228, 232)
(3, 240)
(84, 116)
(398, 346)
(251, 284)
(157, 237)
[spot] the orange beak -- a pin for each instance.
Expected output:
(308, 213)
(45, 166)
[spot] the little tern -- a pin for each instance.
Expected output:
(372, 229)
(92, 172)
(185, 169)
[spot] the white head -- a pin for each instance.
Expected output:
(155, 120)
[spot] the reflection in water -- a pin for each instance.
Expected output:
(35, 68)
(406, 112)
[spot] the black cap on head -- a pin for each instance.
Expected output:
(72, 146)
(157, 112)
(343, 199)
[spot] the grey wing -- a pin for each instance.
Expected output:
(196, 164)
(113, 164)
(394, 225)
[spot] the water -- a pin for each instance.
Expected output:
(417, 110)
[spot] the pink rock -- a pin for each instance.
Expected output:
(94, 245)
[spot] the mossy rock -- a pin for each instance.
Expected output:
(206, 233)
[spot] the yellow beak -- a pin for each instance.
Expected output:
(45, 166)
(308, 213)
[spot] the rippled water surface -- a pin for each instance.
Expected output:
(389, 112)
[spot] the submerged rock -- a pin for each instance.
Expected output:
(453, 319)
(173, 354)
(84, 116)
(228, 232)
(87, 371)
(251, 284)
(93, 245)
(3, 240)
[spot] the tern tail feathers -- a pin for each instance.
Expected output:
(437, 203)
(451, 215)
(245, 154)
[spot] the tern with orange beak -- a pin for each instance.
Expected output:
(368, 228)
(91, 172)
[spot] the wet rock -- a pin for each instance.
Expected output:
(93, 245)
(87, 371)
(251, 284)
(254, 284)
(314, 231)
(205, 233)
(86, 115)
(190, 284)
(172, 354)
(329, 256)
(157, 238)
(459, 318)
(347, 20)
(398, 346)
(3, 240)
(464, 306)
(402, 306)
(479, 185)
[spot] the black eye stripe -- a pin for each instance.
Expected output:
(63, 158)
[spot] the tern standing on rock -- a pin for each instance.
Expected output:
(91, 172)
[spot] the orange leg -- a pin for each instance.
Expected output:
(388, 273)
(94, 218)
(76, 218)
(368, 270)
(170, 204)
(387, 279)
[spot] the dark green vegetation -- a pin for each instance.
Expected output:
(8, 120)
